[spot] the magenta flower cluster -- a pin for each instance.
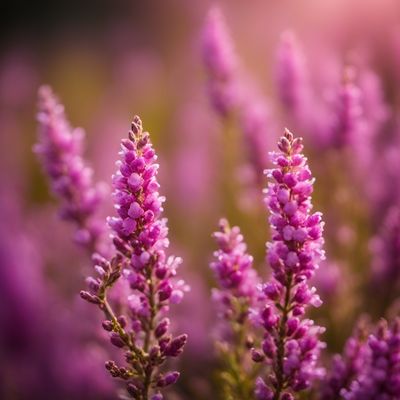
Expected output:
(345, 367)
(236, 299)
(291, 342)
(385, 249)
(60, 150)
(141, 239)
(379, 378)
(346, 125)
(233, 269)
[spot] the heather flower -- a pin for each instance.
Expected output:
(240, 107)
(59, 149)
(373, 101)
(380, 376)
(233, 266)
(220, 62)
(256, 125)
(141, 240)
(41, 340)
(348, 112)
(370, 114)
(291, 342)
(292, 79)
(385, 249)
(345, 367)
(383, 192)
(236, 296)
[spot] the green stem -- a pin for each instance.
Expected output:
(281, 342)
(238, 367)
(149, 333)
(147, 381)
(241, 384)
(150, 327)
(110, 315)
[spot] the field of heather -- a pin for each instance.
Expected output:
(200, 200)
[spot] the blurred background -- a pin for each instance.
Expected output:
(109, 60)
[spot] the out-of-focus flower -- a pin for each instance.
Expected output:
(345, 367)
(233, 266)
(240, 107)
(292, 80)
(257, 127)
(141, 240)
(43, 337)
(291, 342)
(385, 248)
(382, 192)
(60, 150)
(379, 377)
(347, 112)
(221, 64)
(237, 294)
(374, 106)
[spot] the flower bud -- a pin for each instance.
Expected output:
(176, 346)
(116, 340)
(89, 297)
(122, 321)
(162, 328)
(107, 325)
(133, 390)
(256, 355)
(168, 379)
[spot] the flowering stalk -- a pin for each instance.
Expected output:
(291, 346)
(345, 367)
(292, 80)
(221, 67)
(141, 240)
(240, 108)
(346, 124)
(221, 64)
(236, 295)
(385, 262)
(256, 127)
(380, 376)
(60, 151)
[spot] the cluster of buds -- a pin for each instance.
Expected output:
(141, 239)
(233, 265)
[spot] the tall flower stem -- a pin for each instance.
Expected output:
(140, 239)
(291, 344)
(235, 296)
